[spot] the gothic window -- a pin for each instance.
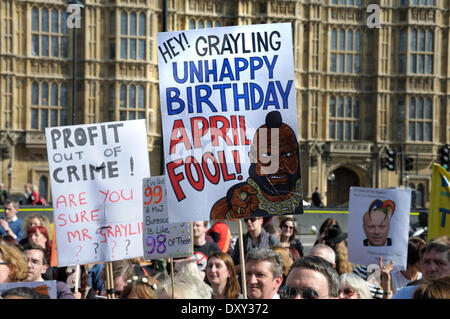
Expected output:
(344, 118)
(48, 105)
(48, 32)
(420, 119)
(345, 51)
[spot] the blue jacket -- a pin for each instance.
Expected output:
(16, 227)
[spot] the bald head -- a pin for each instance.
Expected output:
(324, 251)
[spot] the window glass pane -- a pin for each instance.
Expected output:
(34, 19)
(419, 131)
(217, 24)
(429, 61)
(54, 95)
(141, 115)
(200, 24)
(44, 94)
(357, 40)
(355, 130)
(44, 45)
(44, 119)
(349, 40)
(131, 115)
(348, 107)
(430, 41)
(333, 39)
(420, 63)
(421, 40)
(34, 45)
(208, 24)
(123, 96)
(133, 24)
(141, 97)
(132, 96)
(411, 131)
(401, 109)
(123, 48)
(348, 131)
(54, 46)
(63, 24)
(356, 108)
(141, 49)
(191, 24)
(34, 94)
(53, 118)
(348, 63)
(333, 62)
(341, 39)
(44, 17)
(413, 63)
(332, 129)
(34, 119)
(54, 21)
(123, 116)
(356, 62)
(132, 48)
(402, 40)
(413, 41)
(412, 108)
(419, 113)
(64, 50)
(332, 107)
(428, 111)
(401, 64)
(428, 131)
(112, 23)
(341, 63)
(142, 22)
(63, 96)
(340, 133)
(340, 112)
(123, 23)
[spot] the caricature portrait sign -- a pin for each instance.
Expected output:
(378, 226)
(229, 115)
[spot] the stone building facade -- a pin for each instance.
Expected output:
(360, 90)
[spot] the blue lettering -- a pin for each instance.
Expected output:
(174, 99)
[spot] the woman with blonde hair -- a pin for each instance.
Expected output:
(35, 220)
(352, 286)
(140, 287)
(13, 265)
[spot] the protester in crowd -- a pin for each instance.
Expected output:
(34, 220)
(352, 286)
(286, 258)
(22, 293)
(336, 239)
(9, 240)
(256, 237)
(434, 264)
(273, 229)
(11, 224)
(94, 277)
(202, 247)
(324, 251)
(311, 277)
(13, 265)
(317, 198)
(401, 278)
(3, 194)
(435, 289)
(31, 195)
(323, 230)
(374, 286)
(140, 287)
(69, 276)
(122, 270)
(38, 265)
(264, 273)
(221, 276)
(187, 284)
(288, 238)
(38, 235)
(221, 235)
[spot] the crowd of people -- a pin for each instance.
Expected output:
(276, 266)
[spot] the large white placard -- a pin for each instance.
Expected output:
(96, 173)
(378, 226)
(219, 88)
(162, 239)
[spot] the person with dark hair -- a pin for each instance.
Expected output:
(288, 238)
(202, 247)
(336, 239)
(317, 198)
(311, 277)
(10, 224)
(221, 235)
(37, 266)
(21, 293)
(3, 194)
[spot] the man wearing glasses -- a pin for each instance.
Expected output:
(256, 237)
(311, 277)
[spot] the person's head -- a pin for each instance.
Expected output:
(415, 244)
(288, 229)
(36, 220)
(140, 287)
(37, 262)
(285, 257)
(273, 229)
(264, 273)
(276, 175)
(122, 271)
(316, 189)
(187, 284)
(254, 224)
(434, 261)
(324, 251)
(21, 293)
(199, 229)
(38, 235)
(311, 277)
(435, 289)
(351, 286)
(11, 208)
(220, 271)
(13, 265)
(27, 188)
(323, 230)
(377, 221)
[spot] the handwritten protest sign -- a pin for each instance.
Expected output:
(229, 122)
(162, 239)
(96, 173)
(47, 288)
(378, 226)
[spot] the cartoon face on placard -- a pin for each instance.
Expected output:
(378, 225)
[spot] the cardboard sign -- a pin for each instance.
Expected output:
(96, 173)
(222, 90)
(439, 215)
(378, 225)
(162, 239)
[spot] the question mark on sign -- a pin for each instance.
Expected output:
(115, 244)
(78, 252)
(127, 240)
(96, 247)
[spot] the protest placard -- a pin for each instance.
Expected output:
(378, 226)
(96, 173)
(162, 239)
(46, 288)
(229, 117)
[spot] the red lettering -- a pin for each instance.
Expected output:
(125, 229)
(176, 178)
(85, 234)
(214, 179)
(129, 198)
(175, 139)
(94, 217)
(83, 216)
(196, 132)
(198, 185)
(82, 200)
(223, 165)
(61, 199)
(244, 140)
(61, 217)
(222, 131)
(76, 233)
(71, 196)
